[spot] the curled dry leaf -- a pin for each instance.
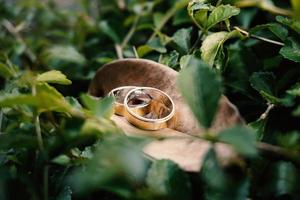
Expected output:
(186, 151)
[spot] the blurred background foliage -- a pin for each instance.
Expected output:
(57, 143)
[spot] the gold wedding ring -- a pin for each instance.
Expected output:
(147, 108)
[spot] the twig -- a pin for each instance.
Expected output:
(264, 5)
(265, 149)
(119, 51)
(247, 34)
(37, 125)
(130, 32)
(15, 32)
(266, 113)
(169, 14)
(280, 153)
(135, 52)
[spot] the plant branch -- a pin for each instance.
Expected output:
(280, 153)
(264, 5)
(119, 51)
(130, 32)
(38, 126)
(15, 32)
(247, 34)
(266, 113)
(169, 14)
(265, 149)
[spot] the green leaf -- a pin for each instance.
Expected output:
(5, 71)
(213, 44)
(189, 60)
(10, 100)
(295, 90)
(277, 29)
(201, 88)
(167, 180)
(241, 138)
(291, 50)
(63, 53)
(65, 194)
(157, 17)
(182, 38)
(263, 81)
(170, 59)
(219, 185)
(54, 76)
(296, 112)
(157, 45)
(61, 160)
(107, 30)
(198, 10)
(283, 178)
(118, 166)
(154, 44)
(99, 107)
(292, 23)
(221, 13)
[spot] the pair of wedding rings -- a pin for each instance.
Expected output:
(147, 108)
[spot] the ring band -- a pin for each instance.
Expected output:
(119, 93)
(159, 111)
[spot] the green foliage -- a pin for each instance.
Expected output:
(56, 142)
(167, 180)
(203, 99)
(241, 138)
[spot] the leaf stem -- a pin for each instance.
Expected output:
(169, 14)
(247, 34)
(266, 113)
(264, 5)
(15, 32)
(130, 32)
(38, 125)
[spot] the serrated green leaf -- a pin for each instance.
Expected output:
(189, 60)
(295, 90)
(157, 45)
(182, 38)
(10, 100)
(263, 81)
(292, 23)
(277, 29)
(241, 138)
(213, 44)
(63, 53)
(170, 59)
(217, 184)
(167, 180)
(54, 76)
(201, 88)
(108, 31)
(118, 166)
(221, 13)
(99, 107)
(291, 50)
